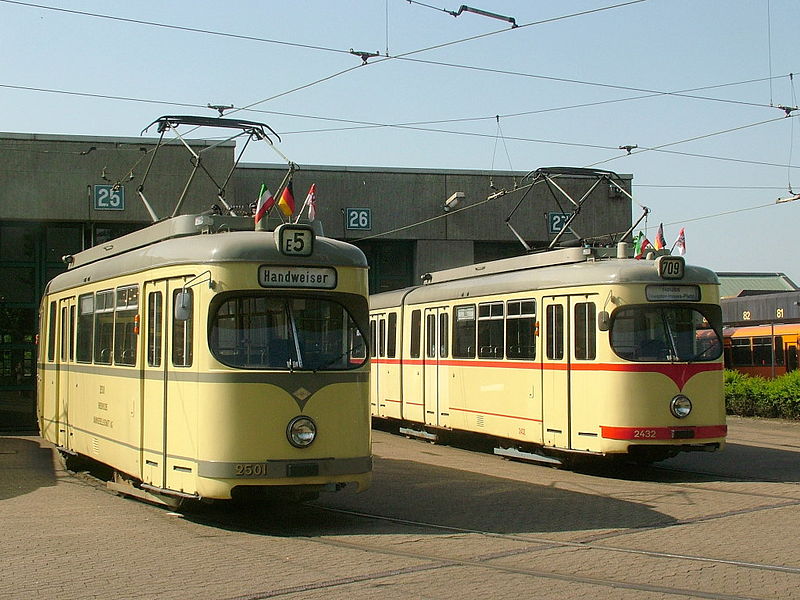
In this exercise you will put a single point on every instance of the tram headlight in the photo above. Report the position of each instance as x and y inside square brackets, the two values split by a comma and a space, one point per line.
[680, 406]
[301, 431]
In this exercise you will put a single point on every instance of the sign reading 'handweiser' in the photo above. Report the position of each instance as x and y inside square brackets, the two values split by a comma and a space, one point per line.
[270, 276]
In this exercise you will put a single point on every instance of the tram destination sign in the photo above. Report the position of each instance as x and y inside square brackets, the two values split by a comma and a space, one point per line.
[271, 276]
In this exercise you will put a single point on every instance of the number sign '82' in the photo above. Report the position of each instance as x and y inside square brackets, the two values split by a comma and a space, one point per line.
[294, 240]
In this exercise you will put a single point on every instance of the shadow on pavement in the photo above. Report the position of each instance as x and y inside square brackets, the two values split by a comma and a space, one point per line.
[24, 467]
[411, 491]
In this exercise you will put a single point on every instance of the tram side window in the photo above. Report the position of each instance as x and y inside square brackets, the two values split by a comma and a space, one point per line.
[391, 341]
[555, 332]
[382, 336]
[85, 328]
[741, 354]
[51, 333]
[125, 323]
[65, 330]
[182, 332]
[430, 336]
[373, 338]
[155, 308]
[416, 324]
[780, 358]
[464, 331]
[490, 330]
[444, 344]
[585, 331]
[521, 329]
[103, 326]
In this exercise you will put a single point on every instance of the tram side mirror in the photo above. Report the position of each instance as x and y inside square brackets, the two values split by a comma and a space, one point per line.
[603, 320]
[183, 306]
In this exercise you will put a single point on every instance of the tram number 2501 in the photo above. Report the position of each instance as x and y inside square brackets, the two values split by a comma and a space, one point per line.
[250, 470]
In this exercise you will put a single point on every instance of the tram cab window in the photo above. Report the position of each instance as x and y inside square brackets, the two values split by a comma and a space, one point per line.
[521, 329]
[652, 333]
[285, 333]
[51, 333]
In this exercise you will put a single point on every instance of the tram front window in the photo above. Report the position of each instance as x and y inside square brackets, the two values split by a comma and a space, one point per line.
[652, 333]
[272, 332]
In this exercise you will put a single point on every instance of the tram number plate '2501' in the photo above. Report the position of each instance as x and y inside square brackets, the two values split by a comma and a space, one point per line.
[250, 469]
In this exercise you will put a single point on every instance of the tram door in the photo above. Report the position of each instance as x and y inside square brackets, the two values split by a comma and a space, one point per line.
[555, 372]
[437, 408]
[154, 389]
[65, 358]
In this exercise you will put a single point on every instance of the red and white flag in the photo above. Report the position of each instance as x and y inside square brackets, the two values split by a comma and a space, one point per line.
[680, 243]
[311, 201]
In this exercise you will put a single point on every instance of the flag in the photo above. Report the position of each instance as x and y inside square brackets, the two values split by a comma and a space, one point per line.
[265, 202]
[286, 203]
[660, 243]
[680, 243]
[640, 245]
[311, 201]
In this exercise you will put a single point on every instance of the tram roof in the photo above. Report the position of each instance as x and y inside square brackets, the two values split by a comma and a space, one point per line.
[565, 268]
[200, 249]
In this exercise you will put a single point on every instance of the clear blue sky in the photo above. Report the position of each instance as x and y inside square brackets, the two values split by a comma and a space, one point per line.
[569, 90]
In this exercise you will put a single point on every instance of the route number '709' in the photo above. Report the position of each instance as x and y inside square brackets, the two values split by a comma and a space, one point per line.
[294, 240]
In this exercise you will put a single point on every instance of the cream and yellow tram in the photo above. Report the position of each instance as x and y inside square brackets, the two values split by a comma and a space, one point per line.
[210, 365]
[572, 351]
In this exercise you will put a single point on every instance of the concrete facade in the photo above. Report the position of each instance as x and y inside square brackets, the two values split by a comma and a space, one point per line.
[63, 194]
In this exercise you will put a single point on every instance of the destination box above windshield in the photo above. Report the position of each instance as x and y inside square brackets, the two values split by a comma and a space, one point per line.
[270, 276]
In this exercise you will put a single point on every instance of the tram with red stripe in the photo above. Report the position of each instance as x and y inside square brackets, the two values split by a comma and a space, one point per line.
[575, 351]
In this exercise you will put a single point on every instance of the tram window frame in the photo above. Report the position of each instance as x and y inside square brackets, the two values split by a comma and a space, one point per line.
[416, 337]
[103, 318]
[521, 328]
[465, 332]
[85, 329]
[183, 331]
[51, 333]
[65, 334]
[126, 311]
[762, 351]
[155, 325]
[741, 352]
[554, 315]
[373, 337]
[391, 336]
[585, 330]
[382, 337]
[430, 335]
[72, 333]
[444, 331]
[491, 334]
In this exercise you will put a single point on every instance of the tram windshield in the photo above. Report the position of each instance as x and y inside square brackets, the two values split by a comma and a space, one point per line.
[284, 333]
[651, 333]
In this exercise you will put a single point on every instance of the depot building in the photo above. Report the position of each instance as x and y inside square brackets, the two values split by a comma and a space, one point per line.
[63, 194]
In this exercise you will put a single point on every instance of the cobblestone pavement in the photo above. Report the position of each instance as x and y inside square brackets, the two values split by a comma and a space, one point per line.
[439, 522]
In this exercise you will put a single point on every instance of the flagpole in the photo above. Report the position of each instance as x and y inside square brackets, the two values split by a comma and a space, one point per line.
[286, 179]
